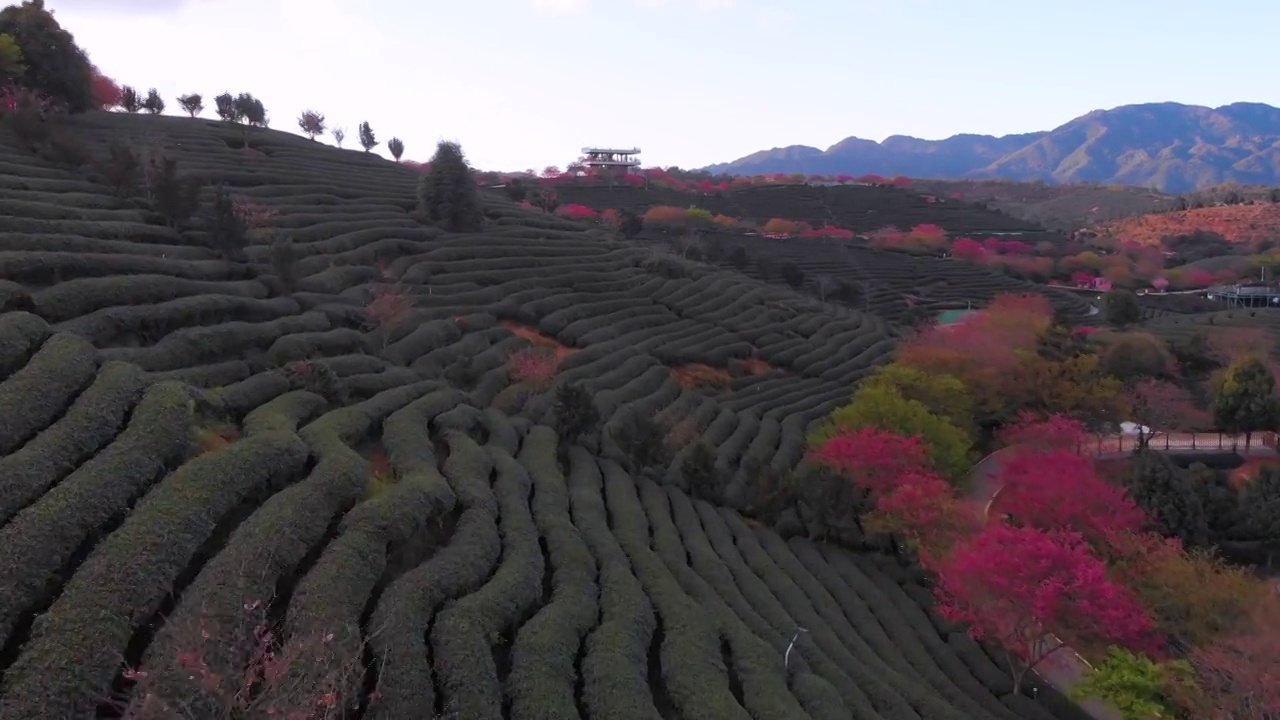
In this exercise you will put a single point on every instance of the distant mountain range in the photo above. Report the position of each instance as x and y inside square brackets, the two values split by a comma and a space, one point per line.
[1167, 146]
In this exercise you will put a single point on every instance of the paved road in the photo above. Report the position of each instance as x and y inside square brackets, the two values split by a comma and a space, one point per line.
[1065, 668]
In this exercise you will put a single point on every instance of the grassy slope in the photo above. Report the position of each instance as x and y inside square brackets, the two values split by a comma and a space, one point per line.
[637, 602]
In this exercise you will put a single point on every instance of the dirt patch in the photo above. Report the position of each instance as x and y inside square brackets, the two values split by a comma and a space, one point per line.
[697, 376]
[539, 339]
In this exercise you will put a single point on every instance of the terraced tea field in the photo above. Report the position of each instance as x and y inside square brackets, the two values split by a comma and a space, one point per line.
[891, 285]
[185, 439]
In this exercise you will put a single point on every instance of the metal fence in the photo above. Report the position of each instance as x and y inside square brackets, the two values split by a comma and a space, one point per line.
[1259, 442]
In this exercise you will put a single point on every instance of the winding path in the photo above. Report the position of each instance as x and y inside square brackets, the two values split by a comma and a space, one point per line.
[1065, 668]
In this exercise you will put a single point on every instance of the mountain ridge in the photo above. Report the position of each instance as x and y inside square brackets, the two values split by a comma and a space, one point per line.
[1168, 146]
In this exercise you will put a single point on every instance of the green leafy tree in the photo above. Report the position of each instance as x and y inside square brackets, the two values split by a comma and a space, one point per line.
[1245, 399]
[1161, 488]
[1133, 356]
[130, 100]
[883, 407]
[51, 62]
[251, 110]
[447, 194]
[225, 106]
[944, 395]
[1135, 685]
[1121, 307]
[1260, 507]
[368, 140]
[396, 146]
[192, 104]
[12, 68]
[154, 104]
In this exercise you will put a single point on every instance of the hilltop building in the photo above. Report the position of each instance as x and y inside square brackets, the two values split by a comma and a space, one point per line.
[613, 162]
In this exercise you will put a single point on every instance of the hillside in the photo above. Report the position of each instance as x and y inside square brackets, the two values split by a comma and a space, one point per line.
[1169, 146]
[1060, 207]
[357, 447]
[1246, 223]
[861, 208]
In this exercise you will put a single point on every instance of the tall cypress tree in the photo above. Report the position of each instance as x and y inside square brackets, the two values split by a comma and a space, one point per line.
[448, 194]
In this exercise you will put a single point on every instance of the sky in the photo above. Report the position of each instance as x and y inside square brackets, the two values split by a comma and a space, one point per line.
[528, 83]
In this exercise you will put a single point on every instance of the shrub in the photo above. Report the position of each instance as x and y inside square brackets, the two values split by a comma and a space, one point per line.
[122, 168]
[227, 227]
[284, 261]
[698, 215]
[536, 366]
[304, 678]
[700, 473]
[175, 197]
[130, 100]
[576, 414]
[387, 309]
[792, 274]
[154, 104]
[516, 190]
[629, 224]
[664, 217]
[28, 114]
[51, 62]
[192, 104]
[311, 123]
[368, 140]
[642, 441]
[447, 194]
[317, 378]
[780, 226]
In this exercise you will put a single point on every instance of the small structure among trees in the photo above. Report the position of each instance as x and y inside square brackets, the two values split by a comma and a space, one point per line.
[610, 162]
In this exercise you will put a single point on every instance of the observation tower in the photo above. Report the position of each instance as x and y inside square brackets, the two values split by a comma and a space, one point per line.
[613, 162]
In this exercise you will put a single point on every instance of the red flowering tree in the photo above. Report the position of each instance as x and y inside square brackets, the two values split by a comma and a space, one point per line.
[923, 507]
[1051, 432]
[577, 212]
[968, 249]
[1029, 590]
[105, 90]
[1061, 490]
[873, 459]
[1164, 406]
